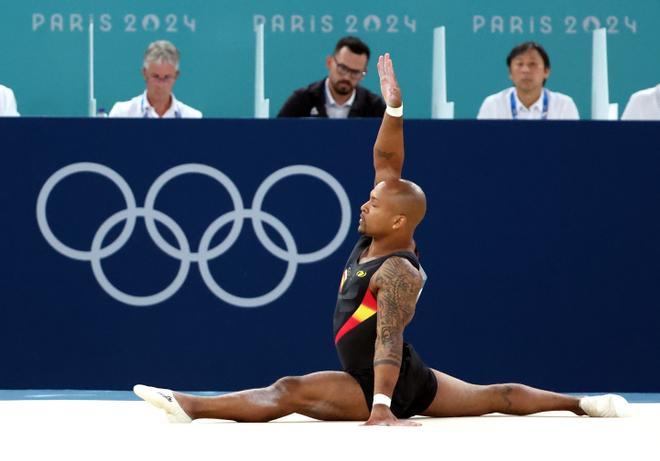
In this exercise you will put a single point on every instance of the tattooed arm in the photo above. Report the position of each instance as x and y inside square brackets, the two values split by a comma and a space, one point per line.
[388, 148]
[396, 284]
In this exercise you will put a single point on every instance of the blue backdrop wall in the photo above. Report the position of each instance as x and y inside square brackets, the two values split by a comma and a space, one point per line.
[542, 245]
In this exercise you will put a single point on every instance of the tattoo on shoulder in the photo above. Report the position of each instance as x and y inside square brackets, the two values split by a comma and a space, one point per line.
[399, 277]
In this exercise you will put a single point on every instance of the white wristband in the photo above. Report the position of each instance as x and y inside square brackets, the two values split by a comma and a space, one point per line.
[382, 399]
[395, 111]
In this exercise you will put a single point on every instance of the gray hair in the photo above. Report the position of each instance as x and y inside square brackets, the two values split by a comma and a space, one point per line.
[161, 51]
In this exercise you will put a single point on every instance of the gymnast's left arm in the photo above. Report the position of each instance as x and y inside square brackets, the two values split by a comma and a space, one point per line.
[396, 284]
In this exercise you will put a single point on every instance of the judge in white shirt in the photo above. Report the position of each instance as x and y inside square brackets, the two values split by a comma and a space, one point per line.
[160, 70]
[643, 105]
[528, 99]
[7, 103]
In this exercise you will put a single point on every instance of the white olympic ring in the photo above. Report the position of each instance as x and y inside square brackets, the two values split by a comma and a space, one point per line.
[62, 173]
[183, 253]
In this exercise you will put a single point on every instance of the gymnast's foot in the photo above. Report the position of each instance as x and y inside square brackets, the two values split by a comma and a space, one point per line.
[607, 406]
[163, 399]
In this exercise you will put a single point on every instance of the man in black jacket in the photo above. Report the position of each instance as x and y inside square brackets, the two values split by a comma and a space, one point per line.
[338, 95]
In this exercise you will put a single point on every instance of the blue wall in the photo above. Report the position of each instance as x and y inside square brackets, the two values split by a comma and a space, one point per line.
[542, 244]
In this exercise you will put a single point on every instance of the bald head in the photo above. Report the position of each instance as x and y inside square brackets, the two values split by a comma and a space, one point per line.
[406, 198]
[394, 209]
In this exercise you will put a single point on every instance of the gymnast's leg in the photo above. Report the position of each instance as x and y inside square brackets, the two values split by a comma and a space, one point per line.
[458, 398]
[328, 396]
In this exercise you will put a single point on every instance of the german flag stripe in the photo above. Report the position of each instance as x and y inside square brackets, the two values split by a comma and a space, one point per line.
[367, 309]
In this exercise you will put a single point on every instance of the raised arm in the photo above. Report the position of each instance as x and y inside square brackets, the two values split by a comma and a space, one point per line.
[396, 284]
[388, 148]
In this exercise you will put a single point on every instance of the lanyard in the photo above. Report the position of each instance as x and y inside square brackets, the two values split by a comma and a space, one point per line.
[145, 111]
[514, 108]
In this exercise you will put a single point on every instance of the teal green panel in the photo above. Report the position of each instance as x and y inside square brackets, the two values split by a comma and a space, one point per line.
[44, 51]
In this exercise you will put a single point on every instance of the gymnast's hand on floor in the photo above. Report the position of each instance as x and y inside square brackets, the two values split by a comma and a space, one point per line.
[381, 415]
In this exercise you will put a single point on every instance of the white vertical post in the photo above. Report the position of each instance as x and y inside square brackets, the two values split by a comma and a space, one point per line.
[440, 108]
[601, 109]
[261, 105]
[92, 100]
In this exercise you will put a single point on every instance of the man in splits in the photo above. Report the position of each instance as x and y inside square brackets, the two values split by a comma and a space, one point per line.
[383, 380]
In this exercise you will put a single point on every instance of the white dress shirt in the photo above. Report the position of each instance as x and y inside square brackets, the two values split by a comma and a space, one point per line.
[7, 103]
[643, 105]
[333, 109]
[139, 107]
[498, 106]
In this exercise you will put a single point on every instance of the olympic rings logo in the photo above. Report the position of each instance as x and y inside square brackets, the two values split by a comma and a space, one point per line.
[183, 253]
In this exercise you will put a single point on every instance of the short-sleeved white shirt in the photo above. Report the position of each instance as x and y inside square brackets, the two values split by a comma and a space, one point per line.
[7, 102]
[139, 107]
[643, 105]
[498, 107]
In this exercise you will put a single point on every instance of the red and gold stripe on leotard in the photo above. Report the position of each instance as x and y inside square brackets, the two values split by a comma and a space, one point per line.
[367, 309]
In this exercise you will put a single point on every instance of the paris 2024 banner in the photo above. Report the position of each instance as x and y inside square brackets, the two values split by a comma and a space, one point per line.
[45, 46]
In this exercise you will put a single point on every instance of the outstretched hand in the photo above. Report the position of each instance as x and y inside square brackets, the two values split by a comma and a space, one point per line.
[389, 87]
[382, 416]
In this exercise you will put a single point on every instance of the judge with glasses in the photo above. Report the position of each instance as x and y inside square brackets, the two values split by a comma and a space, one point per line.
[339, 94]
[160, 70]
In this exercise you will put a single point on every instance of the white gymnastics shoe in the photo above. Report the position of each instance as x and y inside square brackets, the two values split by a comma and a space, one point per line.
[606, 406]
[163, 399]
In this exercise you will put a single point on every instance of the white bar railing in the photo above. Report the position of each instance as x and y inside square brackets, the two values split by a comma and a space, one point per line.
[601, 109]
[440, 108]
[92, 100]
[261, 104]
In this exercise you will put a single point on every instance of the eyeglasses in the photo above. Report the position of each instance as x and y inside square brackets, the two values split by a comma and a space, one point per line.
[162, 78]
[345, 70]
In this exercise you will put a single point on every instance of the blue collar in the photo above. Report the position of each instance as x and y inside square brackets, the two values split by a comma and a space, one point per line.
[514, 107]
